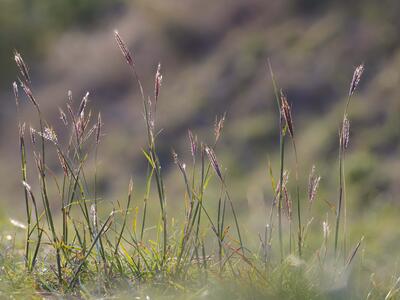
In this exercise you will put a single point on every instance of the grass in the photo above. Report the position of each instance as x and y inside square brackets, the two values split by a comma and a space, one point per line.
[94, 254]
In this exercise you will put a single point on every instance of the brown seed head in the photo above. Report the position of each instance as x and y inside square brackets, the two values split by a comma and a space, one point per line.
[287, 114]
[124, 49]
[214, 162]
[356, 78]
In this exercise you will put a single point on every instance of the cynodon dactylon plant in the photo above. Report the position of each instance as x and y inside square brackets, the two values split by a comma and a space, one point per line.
[72, 190]
[90, 245]
[193, 212]
[25, 82]
[149, 107]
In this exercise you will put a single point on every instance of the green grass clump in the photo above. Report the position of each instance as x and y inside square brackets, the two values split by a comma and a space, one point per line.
[89, 252]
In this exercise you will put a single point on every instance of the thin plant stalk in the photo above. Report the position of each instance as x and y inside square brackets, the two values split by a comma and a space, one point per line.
[281, 156]
[287, 114]
[343, 143]
[21, 129]
[151, 138]
[125, 217]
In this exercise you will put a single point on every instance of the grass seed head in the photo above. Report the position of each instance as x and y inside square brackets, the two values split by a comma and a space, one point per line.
[313, 183]
[50, 135]
[23, 68]
[82, 123]
[157, 82]
[83, 104]
[16, 96]
[63, 163]
[214, 162]
[287, 113]
[218, 126]
[63, 117]
[356, 78]
[124, 49]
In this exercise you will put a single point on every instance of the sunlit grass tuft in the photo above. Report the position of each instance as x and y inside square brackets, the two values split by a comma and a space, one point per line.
[72, 247]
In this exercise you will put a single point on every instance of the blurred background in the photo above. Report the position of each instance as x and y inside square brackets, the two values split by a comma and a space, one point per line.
[213, 56]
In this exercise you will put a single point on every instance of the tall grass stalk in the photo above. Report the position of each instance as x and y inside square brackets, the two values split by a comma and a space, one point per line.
[282, 131]
[41, 163]
[21, 129]
[150, 126]
[343, 144]
[287, 114]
